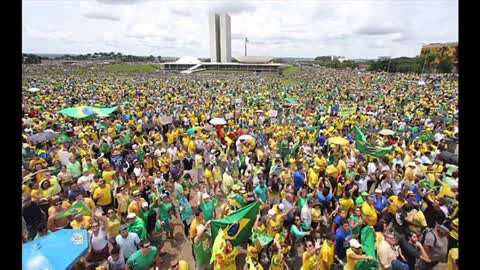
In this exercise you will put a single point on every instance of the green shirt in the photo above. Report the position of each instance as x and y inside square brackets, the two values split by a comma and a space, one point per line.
[303, 201]
[207, 209]
[144, 214]
[203, 251]
[358, 228]
[138, 227]
[140, 262]
[165, 211]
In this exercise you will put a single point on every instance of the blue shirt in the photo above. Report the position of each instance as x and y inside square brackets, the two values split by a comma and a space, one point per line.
[418, 197]
[341, 235]
[380, 203]
[261, 192]
[298, 180]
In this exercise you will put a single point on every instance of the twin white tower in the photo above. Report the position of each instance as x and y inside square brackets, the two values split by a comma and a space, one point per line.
[220, 38]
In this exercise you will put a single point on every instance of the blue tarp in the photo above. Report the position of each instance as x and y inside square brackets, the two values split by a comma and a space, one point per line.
[56, 251]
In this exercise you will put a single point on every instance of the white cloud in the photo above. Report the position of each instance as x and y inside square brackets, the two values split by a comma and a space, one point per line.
[355, 29]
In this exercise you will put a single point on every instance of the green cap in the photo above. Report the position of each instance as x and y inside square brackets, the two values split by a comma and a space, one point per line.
[364, 193]
[359, 200]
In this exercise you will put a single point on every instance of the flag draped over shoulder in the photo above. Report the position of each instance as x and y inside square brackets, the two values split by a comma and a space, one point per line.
[87, 112]
[218, 246]
[78, 207]
[237, 226]
[367, 148]
[368, 245]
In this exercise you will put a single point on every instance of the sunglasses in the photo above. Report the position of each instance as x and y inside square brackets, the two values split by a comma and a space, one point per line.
[109, 212]
[146, 246]
[94, 226]
[58, 203]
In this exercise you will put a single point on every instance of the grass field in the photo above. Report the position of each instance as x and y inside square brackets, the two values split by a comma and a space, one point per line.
[132, 68]
[289, 70]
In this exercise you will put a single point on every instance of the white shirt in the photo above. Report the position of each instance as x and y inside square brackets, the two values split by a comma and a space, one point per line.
[372, 168]
[100, 241]
[438, 137]
[397, 161]
[85, 181]
[385, 185]
[397, 187]
[128, 245]
[173, 151]
[137, 171]
[306, 214]
[362, 184]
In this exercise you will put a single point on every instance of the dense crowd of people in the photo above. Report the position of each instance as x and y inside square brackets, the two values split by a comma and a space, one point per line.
[143, 165]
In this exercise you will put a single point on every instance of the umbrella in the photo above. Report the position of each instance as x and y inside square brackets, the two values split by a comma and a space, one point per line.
[218, 121]
[148, 126]
[191, 131]
[386, 132]
[208, 127]
[338, 140]
[165, 120]
[290, 100]
[42, 137]
[58, 250]
[63, 138]
[33, 90]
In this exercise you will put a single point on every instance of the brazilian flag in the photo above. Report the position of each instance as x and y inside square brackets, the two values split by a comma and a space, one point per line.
[367, 148]
[87, 112]
[237, 226]
[367, 236]
[78, 207]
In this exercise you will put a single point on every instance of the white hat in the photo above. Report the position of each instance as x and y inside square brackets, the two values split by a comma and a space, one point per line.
[205, 196]
[144, 204]
[131, 215]
[378, 190]
[272, 212]
[418, 160]
[426, 160]
[354, 243]
[411, 164]
[281, 207]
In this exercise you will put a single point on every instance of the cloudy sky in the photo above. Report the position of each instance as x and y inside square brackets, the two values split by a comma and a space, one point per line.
[349, 28]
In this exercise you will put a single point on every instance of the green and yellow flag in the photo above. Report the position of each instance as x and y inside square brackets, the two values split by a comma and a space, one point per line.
[87, 112]
[368, 246]
[237, 226]
[367, 148]
[78, 207]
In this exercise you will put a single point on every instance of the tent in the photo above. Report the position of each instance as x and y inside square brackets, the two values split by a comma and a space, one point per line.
[58, 250]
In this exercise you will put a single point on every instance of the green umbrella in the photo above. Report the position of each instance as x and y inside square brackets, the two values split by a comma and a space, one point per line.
[63, 138]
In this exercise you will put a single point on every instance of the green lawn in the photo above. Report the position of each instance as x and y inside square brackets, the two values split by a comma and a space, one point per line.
[289, 70]
[132, 68]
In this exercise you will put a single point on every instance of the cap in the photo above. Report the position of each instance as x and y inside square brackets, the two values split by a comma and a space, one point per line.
[378, 190]
[205, 196]
[144, 204]
[281, 207]
[235, 187]
[410, 193]
[359, 200]
[123, 227]
[271, 213]
[131, 215]
[136, 192]
[364, 193]
[411, 164]
[354, 243]
[418, 160]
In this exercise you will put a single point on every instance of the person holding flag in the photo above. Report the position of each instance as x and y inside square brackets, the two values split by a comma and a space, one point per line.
[202, 247]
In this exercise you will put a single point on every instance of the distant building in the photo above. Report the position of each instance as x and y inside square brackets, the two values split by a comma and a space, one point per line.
[384, 58]
[220, 38]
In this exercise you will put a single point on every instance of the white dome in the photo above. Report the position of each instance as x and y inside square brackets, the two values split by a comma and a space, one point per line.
[188, 60]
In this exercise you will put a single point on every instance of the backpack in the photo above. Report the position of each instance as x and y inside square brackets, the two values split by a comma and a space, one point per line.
[429, 230]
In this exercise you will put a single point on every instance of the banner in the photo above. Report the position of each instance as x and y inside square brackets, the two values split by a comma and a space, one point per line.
[237, 226]
[228, 116]
[347, 111]
[367, 236]
[367, 148]
[87, 112]
[78, 207]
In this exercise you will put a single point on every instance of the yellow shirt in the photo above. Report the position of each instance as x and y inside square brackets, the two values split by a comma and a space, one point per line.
[419, 221]
[193, 227]
[122, 200]
[274, 226]
[251, 254]
[394, 204]
[113, 228]
[229, 260]
[90, 204]
[332, 171]
[208, 176]
[346, 204]
[327, 253]
[316, 214]
[445, 190]
[369, 211]
[108, 176]
[350, 262]
[277, 262]
[133, 207]
[452, 256]
[309, 263]
[78, 225]
[312, 179]
[106, 199]
[181, 155]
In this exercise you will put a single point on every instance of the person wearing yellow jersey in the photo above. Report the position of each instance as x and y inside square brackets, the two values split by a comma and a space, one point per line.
[313, 174]
[332, 170]
[277, 261]
[346, 202]
[327, 252]
[81, 222]
[453, 236]
[354, 254]
[395, 202]
[368, 210]
[103, 195]
[310, 257]
[226, 260]
[320, 162]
